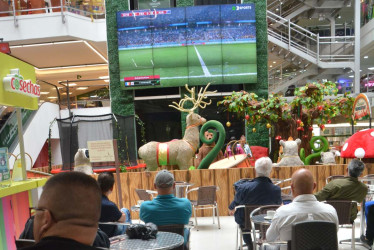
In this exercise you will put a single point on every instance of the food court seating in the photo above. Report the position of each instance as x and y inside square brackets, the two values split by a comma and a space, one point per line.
[206, 199]
[145, 195]
[343, 209]
[333, 177]
[175, 228]
[314, 235]
[261, 228]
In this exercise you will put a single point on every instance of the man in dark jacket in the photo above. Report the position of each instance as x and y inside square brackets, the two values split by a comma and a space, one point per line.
[259, 191]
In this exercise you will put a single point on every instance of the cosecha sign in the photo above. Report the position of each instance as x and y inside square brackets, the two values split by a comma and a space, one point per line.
[14, 82]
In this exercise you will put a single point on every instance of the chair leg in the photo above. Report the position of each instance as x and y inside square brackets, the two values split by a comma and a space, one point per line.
[254, 238]
[241, 240]
[213, 215]
[353, 246]
[194, 213]
[219, 225]
[237, 236]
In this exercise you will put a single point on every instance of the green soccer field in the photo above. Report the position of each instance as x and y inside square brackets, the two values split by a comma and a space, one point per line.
[194, 64]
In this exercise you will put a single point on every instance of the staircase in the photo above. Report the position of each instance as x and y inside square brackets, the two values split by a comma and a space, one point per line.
[303, 49]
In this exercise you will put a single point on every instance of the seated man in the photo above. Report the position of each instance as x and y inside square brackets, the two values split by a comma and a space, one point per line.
[166, 209]
[348, 188]
[303, 207]
[259, 191]
[109, 210]
[68, 213]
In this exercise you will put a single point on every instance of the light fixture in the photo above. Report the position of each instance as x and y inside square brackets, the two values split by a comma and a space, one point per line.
[274, 62]
[52, 97]
[371, 68]
[70, 93]
[351, 76]
[82, 88]
[93, 96]
[366, 57]
[271, 66]
[44, 44]
[106, 80]
[104, 77]
[72, 84]
[44, 93]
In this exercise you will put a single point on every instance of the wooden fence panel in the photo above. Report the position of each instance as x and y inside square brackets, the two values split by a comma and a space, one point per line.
[233, 176]
[222, 181]
[207, 179]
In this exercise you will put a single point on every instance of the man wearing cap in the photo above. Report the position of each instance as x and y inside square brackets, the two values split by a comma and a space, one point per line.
[166, 209]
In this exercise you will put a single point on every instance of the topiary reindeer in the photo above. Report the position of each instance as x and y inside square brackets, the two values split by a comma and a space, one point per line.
[178, 152]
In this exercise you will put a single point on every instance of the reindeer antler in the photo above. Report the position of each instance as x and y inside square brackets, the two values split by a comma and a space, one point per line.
[199, 102]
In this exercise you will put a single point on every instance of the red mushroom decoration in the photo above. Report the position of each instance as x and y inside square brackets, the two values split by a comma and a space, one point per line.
[360, 145]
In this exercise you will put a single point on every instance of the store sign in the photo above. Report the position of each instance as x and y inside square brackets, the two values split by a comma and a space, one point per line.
[361, 108]
[4, 167]
[14, 82]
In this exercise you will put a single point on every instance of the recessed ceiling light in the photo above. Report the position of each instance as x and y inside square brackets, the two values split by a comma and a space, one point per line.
[104, 77]
[106, 80]
[371, 68]
[70, 93]
[366, 57]
[351, 76]
[93, 96]
[44, 93]
[72, 84]
[52, 97]
[274, 62]
[271, 66]
[82, 88]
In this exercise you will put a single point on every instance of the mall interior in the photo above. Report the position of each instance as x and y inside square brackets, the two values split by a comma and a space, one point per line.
[98, 64]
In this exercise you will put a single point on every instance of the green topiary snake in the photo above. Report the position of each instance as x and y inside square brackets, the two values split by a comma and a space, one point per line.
[205, 163]
[317, 151]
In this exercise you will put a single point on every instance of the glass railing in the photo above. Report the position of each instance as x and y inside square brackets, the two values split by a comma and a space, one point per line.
[89, 8]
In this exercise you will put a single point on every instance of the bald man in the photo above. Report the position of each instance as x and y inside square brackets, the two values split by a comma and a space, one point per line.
[303, 207]
[68, 212]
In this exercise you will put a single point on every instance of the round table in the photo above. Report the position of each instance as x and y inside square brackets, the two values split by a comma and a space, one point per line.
[260, 219]
[163, 241]
[181, 189]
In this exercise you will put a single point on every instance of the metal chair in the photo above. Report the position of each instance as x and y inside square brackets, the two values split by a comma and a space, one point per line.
[247, 223]
[145, 195]
[343, 209]
[333, 177]
[261, 228]
[314, 235]
[206, 199]
[178, 229]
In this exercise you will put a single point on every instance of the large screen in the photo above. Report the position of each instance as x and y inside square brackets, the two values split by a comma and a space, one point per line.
[191, 45]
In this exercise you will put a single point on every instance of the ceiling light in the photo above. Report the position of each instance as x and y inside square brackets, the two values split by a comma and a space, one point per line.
[44, 93]
[52, 97]
[351, 76]
[271, 66]
[371, 68]
[276, 9]
[93, 96]
[106, 80]
[74, 66]
[274, 62]
[366, 57]
[82, 88]
[104, 77]
[72, 84]
[70, 93]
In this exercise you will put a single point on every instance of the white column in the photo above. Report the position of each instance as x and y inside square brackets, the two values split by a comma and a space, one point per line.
[21, 144]
[357, 9]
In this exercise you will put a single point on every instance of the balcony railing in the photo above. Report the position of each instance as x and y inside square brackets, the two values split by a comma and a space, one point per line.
[94, 9]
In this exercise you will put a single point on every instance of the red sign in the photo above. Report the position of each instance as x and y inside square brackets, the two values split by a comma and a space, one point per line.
[14, 82]
[4, 48]
[134, 78]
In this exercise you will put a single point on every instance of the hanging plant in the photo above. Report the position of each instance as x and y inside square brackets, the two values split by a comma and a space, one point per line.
[142, 129]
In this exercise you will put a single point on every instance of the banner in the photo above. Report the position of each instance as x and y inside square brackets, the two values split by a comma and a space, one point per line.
[361, 108]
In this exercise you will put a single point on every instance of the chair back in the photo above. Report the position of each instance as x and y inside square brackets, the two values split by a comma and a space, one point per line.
[310, 235]
[343, 209]
[261, 227]
[174, 228]
[206, 195]
[24, 243]
[143, 195]
[248, 209]
[333, 177]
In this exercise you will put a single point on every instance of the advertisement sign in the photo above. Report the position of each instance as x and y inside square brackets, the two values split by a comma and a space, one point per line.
[101, 151]
[14, 82]
[4, 168]
[361, 108]
[153, 4]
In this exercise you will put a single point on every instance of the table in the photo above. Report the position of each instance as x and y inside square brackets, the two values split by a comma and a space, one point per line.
[181, 189]
[163, 241]
[260, 219]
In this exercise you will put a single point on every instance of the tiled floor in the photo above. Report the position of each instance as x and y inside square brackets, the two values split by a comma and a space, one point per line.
[209, 237]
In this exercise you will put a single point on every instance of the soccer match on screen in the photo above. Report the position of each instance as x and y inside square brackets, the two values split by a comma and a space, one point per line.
[189, 45]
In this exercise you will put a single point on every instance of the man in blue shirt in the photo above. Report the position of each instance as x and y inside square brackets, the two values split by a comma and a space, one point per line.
[259, 191]
[166, 209]
[109, 210]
